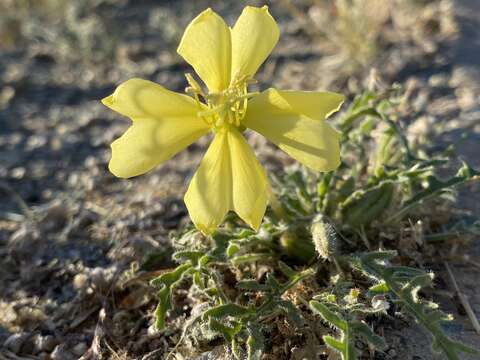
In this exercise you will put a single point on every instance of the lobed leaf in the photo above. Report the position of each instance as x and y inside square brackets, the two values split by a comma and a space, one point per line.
[167, 281]
[251, 285]
[224, 310]
[403, 284]
[293, 313]
[255, 342]
[228, 332]
[328, 315]
[360, 328]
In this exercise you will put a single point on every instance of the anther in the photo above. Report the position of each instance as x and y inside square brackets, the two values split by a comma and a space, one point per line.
[194, 86]
[226, 107]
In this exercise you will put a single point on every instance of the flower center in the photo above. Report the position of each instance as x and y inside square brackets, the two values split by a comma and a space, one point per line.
[226, 108]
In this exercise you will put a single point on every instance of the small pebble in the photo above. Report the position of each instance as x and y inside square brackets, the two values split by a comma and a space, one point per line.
[80, 281]
[61, 353]
[15, 342]
[44, 343]
[80, 349]
[152, 330]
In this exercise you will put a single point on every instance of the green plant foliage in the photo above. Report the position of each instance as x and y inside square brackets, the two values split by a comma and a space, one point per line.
[434, 187]
[402, 284]
[167, 282]
[316, 225]
[238, 324]
[346, 316]
[364, 206]
[255, 342]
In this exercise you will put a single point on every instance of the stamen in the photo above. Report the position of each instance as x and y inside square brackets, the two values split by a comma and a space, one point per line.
[194, 89]
[194, 85]
[226, 107]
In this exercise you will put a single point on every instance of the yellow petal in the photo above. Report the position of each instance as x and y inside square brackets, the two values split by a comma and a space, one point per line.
[209, 195]
[249, 181]
[206, 45]
[294, 121]
[254, 36]
[316, 105]
[138, 98]
[228, 178]
[164, 123]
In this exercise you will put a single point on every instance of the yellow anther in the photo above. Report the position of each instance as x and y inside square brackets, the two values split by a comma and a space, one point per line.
[226, 107]
[194, 85]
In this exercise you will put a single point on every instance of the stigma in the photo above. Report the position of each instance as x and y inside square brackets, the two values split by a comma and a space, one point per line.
[226, 108]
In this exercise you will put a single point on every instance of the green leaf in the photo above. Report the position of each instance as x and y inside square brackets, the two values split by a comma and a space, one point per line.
[286, 270]
[344, 347]
[364, 206]
[299, 276]
[167, 282]
[204, 260]
[418, 281]
[169, 278]
[252, 285]
[377, 256]
[193, 256]
[273, 283]
[435, 186]
[164, 304]
[334, 343]
[228, 332]
[437, 316]
[248, 258]
[328, 315]
[378, 289]
[403, 284]
[232, 249]
[229, 309]
[348, 120]
[292, 312]
[360, 328]
[243, 233]
[255, 342]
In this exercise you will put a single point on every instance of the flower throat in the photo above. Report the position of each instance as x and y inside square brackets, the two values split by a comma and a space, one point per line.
[226, 108]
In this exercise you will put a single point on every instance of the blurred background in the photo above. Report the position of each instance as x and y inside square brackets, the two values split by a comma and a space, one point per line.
[70, 232]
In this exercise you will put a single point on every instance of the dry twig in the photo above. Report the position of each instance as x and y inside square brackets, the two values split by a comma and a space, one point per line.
[463, 300]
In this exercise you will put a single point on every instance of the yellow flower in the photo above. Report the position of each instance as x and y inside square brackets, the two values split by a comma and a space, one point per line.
[229, 176]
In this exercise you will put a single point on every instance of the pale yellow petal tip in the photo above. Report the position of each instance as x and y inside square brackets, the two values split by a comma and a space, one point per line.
[264, 9]
[108, 101]
[255, 8]
[115, 171]
[199, 18]
[331, 166]
[211, 229]
[341, 100]
[255, 218]
[205, 13]
[254, 224]
[334, 166]
[116, 167]
[336, 158]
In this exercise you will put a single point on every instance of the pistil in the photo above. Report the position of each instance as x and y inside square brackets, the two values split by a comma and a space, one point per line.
[225, 108]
